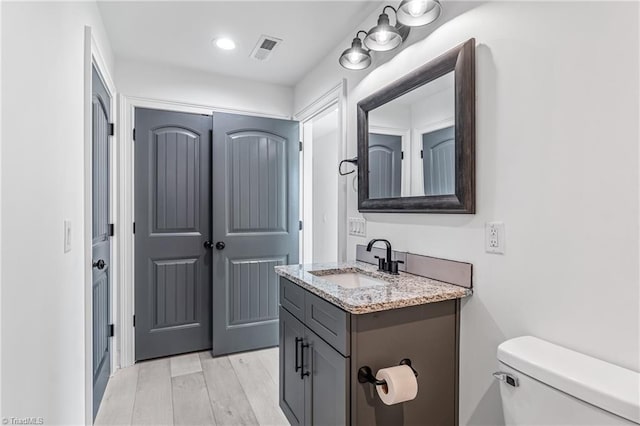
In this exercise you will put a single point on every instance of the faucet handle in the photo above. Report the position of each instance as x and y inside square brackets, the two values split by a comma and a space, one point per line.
[393, 266]
[382, 263]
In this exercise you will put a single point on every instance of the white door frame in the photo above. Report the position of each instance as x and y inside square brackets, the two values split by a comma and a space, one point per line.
[126, 118]
[336, 96]
[94, 57]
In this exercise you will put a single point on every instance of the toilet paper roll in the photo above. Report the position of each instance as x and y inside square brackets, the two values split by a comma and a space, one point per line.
[401, 384]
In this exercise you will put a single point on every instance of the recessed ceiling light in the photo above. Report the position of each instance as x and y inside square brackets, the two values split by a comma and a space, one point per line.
[225, 43]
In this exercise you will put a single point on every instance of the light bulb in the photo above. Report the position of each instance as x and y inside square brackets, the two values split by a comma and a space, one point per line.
[417, 8]
[383, 37]
[353, 57]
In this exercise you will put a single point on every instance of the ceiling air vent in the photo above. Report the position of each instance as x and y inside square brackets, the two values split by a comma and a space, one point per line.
[265, 47]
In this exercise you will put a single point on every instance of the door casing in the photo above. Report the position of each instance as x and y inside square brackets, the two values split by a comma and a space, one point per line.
[337, 95]
[334, 97]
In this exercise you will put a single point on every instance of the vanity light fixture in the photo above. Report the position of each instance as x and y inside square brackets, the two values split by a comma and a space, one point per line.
[356, 57]
[415, 13]
[384, 36]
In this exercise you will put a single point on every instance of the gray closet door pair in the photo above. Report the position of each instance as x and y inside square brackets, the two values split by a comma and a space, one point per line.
[216, 208]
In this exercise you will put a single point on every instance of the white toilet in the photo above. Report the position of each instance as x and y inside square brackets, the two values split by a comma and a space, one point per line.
[545, 384]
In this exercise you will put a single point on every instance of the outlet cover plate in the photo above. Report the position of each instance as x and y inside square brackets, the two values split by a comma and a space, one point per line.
[494, 237]
[357, 227]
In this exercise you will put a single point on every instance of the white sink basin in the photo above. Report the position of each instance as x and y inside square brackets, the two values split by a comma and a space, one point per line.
[353, 280]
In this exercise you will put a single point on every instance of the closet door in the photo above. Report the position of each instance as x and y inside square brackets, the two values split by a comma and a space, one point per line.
[172, 233]
[255, 226]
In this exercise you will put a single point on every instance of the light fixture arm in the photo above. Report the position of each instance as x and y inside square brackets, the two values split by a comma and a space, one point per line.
[395, 12]
[390, 7]
[361, 31]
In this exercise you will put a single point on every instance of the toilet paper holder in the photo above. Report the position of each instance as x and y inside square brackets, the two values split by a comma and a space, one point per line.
[365, 374]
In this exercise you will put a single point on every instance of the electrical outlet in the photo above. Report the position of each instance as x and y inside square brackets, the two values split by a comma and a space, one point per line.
[494, 237]
[67, 236]
[357, 227]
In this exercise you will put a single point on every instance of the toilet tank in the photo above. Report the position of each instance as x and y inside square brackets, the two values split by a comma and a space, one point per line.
[545, 384]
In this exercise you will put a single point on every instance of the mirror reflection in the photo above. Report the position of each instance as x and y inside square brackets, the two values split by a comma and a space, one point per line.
[412, 143]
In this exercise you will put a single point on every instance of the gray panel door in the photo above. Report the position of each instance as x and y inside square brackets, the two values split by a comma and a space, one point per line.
[255, 226]
[327, 387]
[385, 165]
[438, 160]
[292, 381]
[173, 222]
[101, 246]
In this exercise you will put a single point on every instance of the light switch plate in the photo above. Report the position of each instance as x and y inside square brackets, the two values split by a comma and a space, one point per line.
[67, 236]
[357, 227]
[494, 237]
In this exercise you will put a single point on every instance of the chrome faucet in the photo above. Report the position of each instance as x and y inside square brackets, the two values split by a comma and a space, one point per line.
[385, 264]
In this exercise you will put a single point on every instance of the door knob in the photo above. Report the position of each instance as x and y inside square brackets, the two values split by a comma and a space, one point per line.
[208, 245]
[100, 264]
[220, 245]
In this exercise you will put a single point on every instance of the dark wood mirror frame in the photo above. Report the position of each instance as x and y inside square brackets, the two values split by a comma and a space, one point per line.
[460, 59]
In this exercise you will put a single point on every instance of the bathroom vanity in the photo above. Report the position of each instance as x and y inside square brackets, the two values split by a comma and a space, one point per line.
[337, 318]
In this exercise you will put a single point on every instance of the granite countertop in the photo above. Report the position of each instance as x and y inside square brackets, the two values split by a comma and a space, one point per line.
[398, 291]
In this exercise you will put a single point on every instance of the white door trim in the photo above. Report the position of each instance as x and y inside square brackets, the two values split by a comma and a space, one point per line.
[336, 96]
[94, 57]
[126, 118]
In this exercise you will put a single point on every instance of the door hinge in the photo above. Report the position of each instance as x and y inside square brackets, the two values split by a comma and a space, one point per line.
[134, 227]
[421, 154]
[112, 129]
[300, 146]
[111, 330]
[112, 230]
[134, 134]
[134, 320]
[300, 225]
[402, 155]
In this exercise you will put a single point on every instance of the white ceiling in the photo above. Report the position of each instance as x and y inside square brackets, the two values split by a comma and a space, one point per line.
[180, 33]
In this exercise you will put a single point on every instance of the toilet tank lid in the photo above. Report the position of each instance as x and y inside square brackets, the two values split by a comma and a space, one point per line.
[605, 385]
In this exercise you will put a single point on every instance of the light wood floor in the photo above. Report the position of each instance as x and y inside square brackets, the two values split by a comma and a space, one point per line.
[196, 389]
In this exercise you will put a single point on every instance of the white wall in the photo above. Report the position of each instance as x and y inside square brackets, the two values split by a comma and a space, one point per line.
[170, 83]
[436, 108]
[393, 115]
[557, 161]
[42, 175]
[0, 213]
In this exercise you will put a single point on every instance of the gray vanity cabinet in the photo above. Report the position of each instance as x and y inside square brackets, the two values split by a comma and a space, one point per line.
[322, 347]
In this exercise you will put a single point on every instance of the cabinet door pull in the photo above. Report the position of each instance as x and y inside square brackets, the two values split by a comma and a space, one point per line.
[302, 372]
[298, 341]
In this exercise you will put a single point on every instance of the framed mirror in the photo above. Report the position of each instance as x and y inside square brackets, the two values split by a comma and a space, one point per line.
[416, 139]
